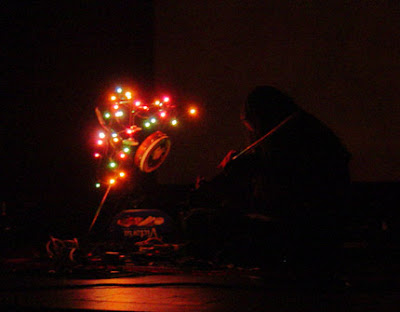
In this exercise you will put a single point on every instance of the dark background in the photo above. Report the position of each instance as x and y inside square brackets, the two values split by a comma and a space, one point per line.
[339, 60]
[59, 61]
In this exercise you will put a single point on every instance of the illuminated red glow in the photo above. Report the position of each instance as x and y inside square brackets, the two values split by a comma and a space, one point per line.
[119, 105]
[192, 111]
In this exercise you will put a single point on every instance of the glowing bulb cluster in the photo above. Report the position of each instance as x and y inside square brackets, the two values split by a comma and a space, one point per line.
[125, 120]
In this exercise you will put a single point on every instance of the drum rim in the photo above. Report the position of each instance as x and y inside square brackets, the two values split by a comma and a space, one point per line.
[143, 157]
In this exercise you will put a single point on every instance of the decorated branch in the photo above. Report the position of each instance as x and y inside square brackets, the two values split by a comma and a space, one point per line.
[132, 135]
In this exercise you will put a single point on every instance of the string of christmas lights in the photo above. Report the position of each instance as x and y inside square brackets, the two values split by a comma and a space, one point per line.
[132, 134]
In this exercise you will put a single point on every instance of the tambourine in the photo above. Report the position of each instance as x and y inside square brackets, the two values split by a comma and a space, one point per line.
[152, 152]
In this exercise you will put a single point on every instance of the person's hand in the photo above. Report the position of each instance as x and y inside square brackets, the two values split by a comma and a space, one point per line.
[227, 159]
[199, 182]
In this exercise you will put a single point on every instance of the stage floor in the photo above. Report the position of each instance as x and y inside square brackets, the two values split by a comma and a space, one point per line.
[169, 289]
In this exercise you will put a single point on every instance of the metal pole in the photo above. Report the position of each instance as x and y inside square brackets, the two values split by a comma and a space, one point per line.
[100, 206]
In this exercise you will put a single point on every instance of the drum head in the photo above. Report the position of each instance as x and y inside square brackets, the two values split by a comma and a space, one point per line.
[152, 152]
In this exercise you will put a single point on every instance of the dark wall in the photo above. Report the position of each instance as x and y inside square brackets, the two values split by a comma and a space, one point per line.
[60, 59]
[338, 59]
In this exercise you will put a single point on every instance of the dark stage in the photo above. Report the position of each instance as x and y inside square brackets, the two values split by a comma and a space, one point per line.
[368, 280]
[339, 60]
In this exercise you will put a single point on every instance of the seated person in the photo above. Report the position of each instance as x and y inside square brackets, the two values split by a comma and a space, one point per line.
[296, 178]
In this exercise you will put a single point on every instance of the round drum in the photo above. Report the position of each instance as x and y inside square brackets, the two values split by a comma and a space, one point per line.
[152, 152]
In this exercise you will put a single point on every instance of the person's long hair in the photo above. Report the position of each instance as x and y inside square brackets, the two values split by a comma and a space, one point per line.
[265, 108]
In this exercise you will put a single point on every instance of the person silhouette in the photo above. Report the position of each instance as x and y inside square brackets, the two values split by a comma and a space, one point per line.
[286, 194]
